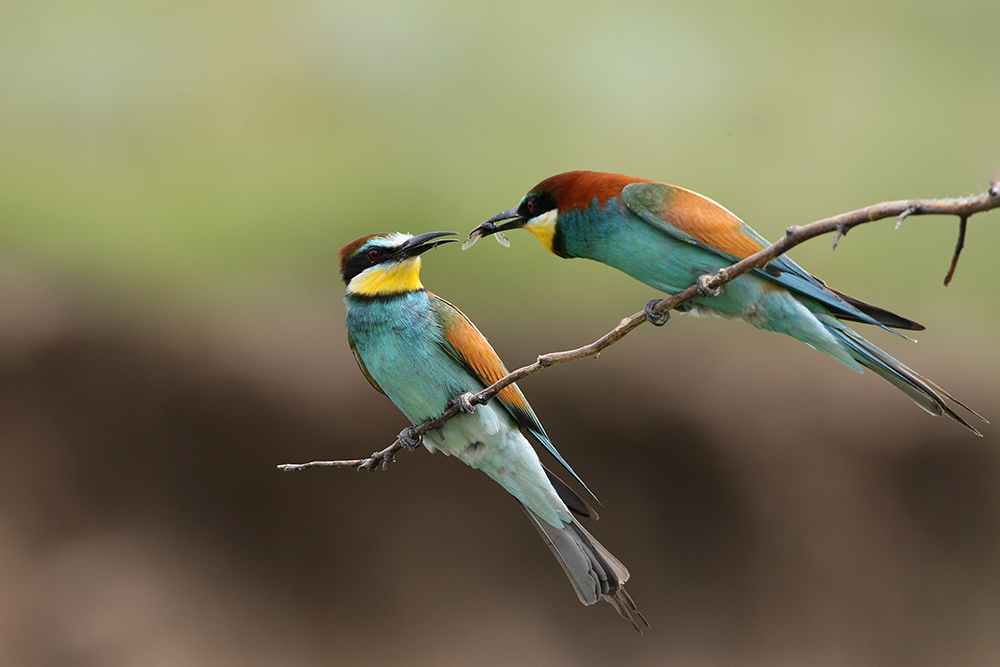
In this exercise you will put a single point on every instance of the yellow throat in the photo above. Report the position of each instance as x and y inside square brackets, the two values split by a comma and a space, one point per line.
[391, 278]
[544, 228]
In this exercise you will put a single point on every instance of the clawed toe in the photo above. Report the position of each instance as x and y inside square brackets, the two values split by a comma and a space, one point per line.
[703, 287]
[464, 402]
[407, 438]
[655, 319]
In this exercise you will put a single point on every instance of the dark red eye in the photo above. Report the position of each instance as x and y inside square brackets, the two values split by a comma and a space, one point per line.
[374, 254]
[530, 205]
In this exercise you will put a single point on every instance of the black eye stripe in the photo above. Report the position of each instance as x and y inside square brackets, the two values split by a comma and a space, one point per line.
[364, 259]
[537, 204]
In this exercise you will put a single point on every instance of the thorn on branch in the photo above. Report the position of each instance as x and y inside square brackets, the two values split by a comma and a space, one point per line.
[842, 230]
[910, 210]
[962, 224]
[656, 318]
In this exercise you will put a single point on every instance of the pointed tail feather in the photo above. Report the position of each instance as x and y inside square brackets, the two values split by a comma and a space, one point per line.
[884, 317]
[593, 571]
[574, 502]
[922, 391]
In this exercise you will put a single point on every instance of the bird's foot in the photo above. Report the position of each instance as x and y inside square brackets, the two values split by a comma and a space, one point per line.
[383, 458]
[657, 320]
[464, 402]
[407, 438]
[705, 289]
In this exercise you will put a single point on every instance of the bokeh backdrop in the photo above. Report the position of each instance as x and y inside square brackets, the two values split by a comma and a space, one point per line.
[176, 179]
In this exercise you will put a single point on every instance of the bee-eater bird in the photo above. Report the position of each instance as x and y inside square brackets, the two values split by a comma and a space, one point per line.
[667, 237]
[422, 352]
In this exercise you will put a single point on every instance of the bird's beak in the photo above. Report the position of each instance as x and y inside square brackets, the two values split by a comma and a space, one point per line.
[514, 221]
[424, 242]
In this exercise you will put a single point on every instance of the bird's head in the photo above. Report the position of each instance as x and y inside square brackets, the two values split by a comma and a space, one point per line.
[539, 210]
[383, 264]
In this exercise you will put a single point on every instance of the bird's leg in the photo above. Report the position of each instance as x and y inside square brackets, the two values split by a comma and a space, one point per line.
[464, 402]
[654, 319]
[407, 438]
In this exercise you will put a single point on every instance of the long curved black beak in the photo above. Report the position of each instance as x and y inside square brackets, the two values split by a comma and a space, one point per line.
[506, 215]
[490, 226]
[424, 242]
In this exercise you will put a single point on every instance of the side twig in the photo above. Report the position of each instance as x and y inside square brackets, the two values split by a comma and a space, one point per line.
[657, 311]
[962, 224]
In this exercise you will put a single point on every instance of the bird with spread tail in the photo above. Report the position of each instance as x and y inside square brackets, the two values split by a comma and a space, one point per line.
[668, 237]
[423, 353]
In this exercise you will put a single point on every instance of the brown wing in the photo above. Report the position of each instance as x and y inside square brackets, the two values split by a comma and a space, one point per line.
[468, 345]
[463, 341]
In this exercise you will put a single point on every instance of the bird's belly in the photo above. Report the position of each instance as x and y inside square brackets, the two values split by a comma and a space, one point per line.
[670, 265]
[674, 269]
[489, 440]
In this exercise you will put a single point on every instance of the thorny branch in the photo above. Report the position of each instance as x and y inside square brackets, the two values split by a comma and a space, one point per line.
[658, 311]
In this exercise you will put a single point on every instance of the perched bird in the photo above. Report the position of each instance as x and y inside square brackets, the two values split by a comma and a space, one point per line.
[667, 237]
[422, 352]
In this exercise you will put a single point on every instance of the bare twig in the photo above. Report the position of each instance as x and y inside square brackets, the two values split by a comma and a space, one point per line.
[963, 222]
[657, 311]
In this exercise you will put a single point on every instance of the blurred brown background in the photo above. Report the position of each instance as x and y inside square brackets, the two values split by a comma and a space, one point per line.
[176, 182]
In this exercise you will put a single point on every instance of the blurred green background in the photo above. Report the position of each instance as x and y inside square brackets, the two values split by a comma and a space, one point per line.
[175, 181]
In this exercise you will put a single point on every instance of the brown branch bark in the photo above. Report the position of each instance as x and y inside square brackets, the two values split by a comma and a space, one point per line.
[657, 311]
